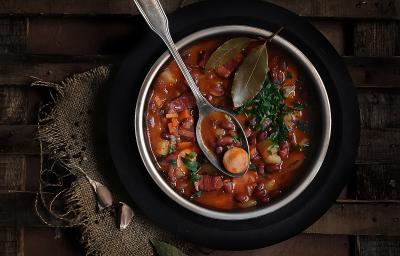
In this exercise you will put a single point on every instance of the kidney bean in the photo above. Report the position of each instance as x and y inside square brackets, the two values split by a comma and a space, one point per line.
[274, 168]
[188, 124]
[252, 140]
[265, 124]
[283, 149]
[241, 198]
[264, 200]
[256, 157]
[260, 185]
[171, 157]
[225, 141]
[252, 121]
[164, 120]
[260, 193]
[260, 169]
[250, 189]
[262, 136]
[228, 125]
[165, 136]
[187, 135]
[247, 132]
[228, 186]
[292, 138]
[232, 133]
[277, 76]
[219, 150]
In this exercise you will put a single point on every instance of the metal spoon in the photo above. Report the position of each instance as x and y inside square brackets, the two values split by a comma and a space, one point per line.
[156, 18]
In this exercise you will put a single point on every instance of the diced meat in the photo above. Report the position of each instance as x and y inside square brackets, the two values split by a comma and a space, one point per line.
[188, 124]
[210, 183]
[186, 100]
[187, 135]
[228, 68]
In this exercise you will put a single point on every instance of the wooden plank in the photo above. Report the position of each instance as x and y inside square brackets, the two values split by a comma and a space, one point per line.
[366, 72]
[384, 9]
[60, 242]
[81, 36]
[17, 209]
[377, 72]
[334, 32]
[358, 218]
[12, 35]
[377, 38]
[379, 146]
[11, 241]
[344, 217]
[18, 139]
[19, 105]
[378, 108]
[300, 245]
[84, 36]
[377, 246]
[378, 182]
[19, 172]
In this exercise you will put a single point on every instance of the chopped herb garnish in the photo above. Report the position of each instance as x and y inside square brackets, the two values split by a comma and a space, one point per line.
[268, 104]
[298, 106]
[172, 162]
[235, 139]
[189, 160]
[289, 75]
[252, 166]
[196, 195]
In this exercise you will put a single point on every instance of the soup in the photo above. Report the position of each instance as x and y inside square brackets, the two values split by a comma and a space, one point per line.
[270, 98]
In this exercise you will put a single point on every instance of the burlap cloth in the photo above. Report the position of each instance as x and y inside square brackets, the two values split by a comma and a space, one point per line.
[73, 140]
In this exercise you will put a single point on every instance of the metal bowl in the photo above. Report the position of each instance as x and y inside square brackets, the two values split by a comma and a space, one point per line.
[314, 162]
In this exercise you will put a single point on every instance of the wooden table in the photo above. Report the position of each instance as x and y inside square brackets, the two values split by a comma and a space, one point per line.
[51, 39]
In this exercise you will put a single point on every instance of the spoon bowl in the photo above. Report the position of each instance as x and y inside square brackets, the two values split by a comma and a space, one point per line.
[157, 20]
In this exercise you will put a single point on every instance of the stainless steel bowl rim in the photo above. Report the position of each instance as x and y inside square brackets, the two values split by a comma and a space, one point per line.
[149, 160]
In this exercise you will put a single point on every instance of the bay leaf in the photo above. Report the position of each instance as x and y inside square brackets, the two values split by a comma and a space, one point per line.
[250, 76]
[227, 51]
[165, 249]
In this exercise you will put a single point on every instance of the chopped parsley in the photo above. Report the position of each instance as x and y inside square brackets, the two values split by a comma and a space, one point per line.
[196, 195]
[235, 139]
[189, 160]
[289, 75]
[172, 162]
[268, 104]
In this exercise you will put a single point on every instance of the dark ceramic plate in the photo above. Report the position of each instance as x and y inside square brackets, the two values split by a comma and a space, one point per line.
[273, 227]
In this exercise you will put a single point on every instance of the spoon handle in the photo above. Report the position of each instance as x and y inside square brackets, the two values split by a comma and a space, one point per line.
[156, 18]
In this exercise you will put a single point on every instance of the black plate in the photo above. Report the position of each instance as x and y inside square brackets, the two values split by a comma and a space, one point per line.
[261, 231]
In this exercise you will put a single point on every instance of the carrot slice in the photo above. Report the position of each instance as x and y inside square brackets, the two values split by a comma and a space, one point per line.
[184, 144]
[172, 129]
[172, 115]
[175, 122]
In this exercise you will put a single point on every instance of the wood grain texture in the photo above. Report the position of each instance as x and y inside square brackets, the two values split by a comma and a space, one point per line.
[377, 246]
[377, 38]
[385, 9]
[19, 173]
[81, 36]
[19, 139]
[300, 245]
[343, 218]
[12, 35]
[359, 219]
[94, 35]
[366, 72]
[18, 105]
[378, 182]
[374, 72]
[11, 241]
